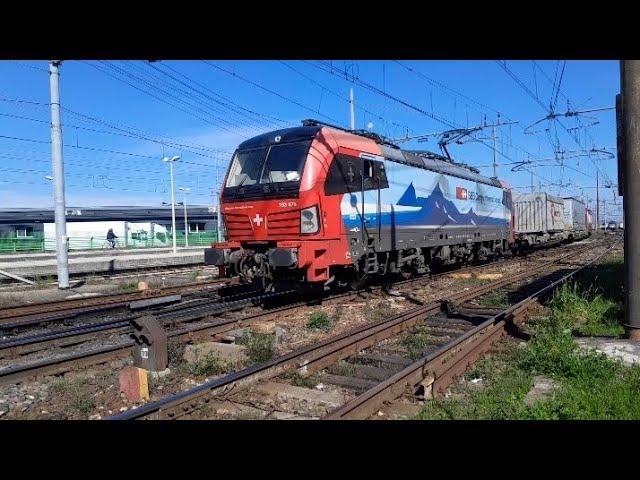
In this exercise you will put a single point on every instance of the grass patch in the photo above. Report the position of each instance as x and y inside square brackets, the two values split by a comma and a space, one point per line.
[591, 385]
[175, 352]
[301, 381]
[42, 281]
[495, 299]
[156, 381]
[210, 364]
[337, 314]
[319, 321]
[195, 274]
[60, 385]
[377, 311]
[82, 402]
[343, 369]
[417, 341]
[260, 347]
[588, 312]
[128, 287]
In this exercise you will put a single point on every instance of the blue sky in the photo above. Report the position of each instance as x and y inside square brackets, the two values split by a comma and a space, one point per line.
[120, 117]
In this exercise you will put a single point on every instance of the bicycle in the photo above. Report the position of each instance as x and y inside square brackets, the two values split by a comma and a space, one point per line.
[106, 245]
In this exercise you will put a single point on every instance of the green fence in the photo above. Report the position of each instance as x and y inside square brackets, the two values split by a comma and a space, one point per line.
[39, 243]
[21, 244]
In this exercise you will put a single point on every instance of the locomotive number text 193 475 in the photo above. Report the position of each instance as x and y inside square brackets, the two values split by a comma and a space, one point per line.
[287, 204]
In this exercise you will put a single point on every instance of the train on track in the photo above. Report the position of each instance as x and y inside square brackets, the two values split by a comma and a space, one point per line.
[320, 205]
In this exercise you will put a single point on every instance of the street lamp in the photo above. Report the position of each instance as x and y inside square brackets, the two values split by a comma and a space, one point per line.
[170, 161]
[184, 191]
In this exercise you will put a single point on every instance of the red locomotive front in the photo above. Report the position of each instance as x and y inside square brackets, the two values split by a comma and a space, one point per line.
[280, 225]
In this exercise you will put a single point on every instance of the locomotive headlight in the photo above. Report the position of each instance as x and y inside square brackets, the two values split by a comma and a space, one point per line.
[309, 220]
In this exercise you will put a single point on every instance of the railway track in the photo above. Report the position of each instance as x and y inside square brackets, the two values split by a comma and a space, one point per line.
[177, 321]
[431, 374]
[460, 337]
[38, 313]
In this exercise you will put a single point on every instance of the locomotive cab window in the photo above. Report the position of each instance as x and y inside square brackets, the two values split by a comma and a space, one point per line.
[348, 174]
[245, 167]
[266, 172]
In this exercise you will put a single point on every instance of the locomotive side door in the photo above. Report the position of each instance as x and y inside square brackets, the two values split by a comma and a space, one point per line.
[359, 179]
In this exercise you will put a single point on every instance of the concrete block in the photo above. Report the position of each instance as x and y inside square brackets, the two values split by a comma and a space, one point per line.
[621, 349]
[299, 397]
[398, 411]
[224, 351]
[489, 276]
[161, 374]
[238, 333]
[460, 275]
[134, 384]
[542, 388]
[264, 327]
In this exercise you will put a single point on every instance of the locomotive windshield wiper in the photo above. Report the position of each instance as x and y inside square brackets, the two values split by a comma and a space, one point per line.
[267, 167]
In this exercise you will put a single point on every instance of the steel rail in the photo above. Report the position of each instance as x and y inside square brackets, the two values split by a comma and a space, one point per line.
[24, 315]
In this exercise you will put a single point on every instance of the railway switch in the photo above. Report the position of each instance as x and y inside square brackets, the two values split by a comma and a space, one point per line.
[150, 351]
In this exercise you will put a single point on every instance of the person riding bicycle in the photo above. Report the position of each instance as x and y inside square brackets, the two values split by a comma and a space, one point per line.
[111, 238]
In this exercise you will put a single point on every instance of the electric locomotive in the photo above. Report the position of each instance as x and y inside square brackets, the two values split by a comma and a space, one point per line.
[321, 205]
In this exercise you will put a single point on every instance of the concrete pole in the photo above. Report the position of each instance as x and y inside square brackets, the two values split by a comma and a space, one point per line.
[532, 184]
[353, 115]
[173, 208]
[218, 218]
[598, 198]
[58, 177]
[495, 164]
[186, 224]
[630, 73]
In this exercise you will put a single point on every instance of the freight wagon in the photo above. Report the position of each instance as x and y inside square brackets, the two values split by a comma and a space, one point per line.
[575, 219]
[539, 219]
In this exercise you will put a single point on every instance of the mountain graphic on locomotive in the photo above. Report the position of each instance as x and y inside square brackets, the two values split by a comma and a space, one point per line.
[320, 205]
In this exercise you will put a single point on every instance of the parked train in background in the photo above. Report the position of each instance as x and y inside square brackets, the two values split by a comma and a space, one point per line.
[322, 205]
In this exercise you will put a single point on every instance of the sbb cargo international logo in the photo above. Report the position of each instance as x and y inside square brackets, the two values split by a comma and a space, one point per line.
[461, 193]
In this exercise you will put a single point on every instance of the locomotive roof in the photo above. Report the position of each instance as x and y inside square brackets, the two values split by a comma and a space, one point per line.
[436, 165]
[293, 134]
[389, 152]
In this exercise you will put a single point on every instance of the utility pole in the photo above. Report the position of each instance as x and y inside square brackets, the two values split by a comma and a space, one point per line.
[170, 161]
[598, 198]
[630, 89]
[353, 116]
[58, 177]
[495, 163]
[532, 185]
[218, 218]
[184, 191]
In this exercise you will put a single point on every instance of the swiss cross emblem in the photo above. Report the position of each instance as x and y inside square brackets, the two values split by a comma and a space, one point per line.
[257, 220]
[461, 193]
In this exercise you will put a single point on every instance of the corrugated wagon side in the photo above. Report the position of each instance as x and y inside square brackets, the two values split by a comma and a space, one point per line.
[539, 219]
[575, 218]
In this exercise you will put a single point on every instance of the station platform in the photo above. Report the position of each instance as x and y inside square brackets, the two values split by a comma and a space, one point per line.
[30, 265]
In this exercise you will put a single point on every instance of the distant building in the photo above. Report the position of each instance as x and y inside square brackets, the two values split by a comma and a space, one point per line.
[87, 227]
